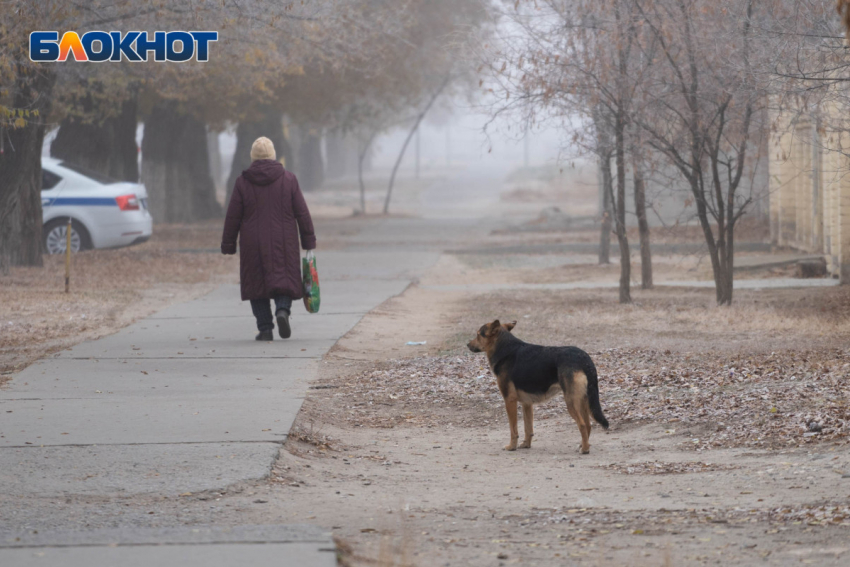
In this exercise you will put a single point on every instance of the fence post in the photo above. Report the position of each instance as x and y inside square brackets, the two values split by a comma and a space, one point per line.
[68, 257]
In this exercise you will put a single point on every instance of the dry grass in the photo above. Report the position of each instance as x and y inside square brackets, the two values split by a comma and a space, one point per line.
[109, 289]
[747, 230]
[680, 319]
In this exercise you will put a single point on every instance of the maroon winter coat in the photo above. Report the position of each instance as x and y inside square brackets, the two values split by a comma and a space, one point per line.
[264, 209]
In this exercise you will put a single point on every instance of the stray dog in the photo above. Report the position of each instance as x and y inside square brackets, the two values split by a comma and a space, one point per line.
[531, 374]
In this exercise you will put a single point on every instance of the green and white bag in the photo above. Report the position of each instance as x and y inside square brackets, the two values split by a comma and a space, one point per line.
[310, 279]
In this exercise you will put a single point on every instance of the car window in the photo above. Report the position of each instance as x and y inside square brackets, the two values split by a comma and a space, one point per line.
[49, 180]
[97, 176]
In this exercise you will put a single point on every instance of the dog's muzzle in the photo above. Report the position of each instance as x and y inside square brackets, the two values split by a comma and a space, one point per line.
[472, 347]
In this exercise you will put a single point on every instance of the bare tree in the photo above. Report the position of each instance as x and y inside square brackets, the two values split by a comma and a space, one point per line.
[704, 108]
[410, 57]
[560, 59]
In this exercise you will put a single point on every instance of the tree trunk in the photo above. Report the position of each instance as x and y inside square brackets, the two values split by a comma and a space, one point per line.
[622, 238]
[20, 172]
[336, 150]
[643, 228]
[398, 163]
[364, 151]
[175, 167]
[407, 141]
[270, 125]
[705, 224]
[214, 151]
[729, 265]
[311, 167]
[607, 193]
[723, 283]
[107, 147]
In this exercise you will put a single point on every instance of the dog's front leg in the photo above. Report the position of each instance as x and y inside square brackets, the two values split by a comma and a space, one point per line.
[528, 422]
[510, 406]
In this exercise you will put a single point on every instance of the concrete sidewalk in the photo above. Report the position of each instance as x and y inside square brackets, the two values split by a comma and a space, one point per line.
[183, 401]
[142, 547]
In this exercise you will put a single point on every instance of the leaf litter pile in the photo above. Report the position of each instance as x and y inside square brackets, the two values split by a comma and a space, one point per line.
[758, 400]
[414, 391]
[766, 400]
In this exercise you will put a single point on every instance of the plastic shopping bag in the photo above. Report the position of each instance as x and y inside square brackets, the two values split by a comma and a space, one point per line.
[310, 279]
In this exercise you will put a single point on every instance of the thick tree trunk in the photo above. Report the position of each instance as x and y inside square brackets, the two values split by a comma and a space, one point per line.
[20, 197]
[336, 149]
[175, 167]
[270, 125]
[214, 151]
[107, 146]
[20, 172]
[723, 282]
[311, 166]
[643, 228]
[607, 193]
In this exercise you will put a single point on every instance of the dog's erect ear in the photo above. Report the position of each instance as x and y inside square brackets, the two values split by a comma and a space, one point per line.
[494, 327]
[510, 326]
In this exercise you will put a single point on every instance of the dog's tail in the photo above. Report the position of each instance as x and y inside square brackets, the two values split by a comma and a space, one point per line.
[593, 396]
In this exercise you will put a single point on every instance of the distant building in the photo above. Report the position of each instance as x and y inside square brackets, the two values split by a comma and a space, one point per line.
[810, 189]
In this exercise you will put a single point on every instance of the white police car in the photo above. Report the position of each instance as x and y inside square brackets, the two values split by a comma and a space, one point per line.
[104, 213]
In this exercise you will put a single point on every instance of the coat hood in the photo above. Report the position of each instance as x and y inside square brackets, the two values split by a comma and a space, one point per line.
[264, 172]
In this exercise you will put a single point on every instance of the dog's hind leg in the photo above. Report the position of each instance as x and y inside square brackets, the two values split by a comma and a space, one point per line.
[575, 394]
[585, 414]
[579, 419]
[511, 407]
[528, 423]
[579, 399]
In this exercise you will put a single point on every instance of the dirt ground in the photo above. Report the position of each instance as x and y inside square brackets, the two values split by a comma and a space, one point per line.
[728, 442]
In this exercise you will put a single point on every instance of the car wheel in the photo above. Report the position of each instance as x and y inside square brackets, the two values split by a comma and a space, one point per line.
[55, 237]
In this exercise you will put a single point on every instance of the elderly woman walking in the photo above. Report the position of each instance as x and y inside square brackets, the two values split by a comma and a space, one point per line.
[267, 211]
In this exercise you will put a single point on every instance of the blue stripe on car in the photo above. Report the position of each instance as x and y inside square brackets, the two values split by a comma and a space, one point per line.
[84, 201]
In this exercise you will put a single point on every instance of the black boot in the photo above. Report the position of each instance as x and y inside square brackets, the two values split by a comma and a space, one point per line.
[265, 335]
[283, 324]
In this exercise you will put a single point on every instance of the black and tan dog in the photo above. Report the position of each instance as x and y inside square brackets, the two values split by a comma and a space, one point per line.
[530, 374]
